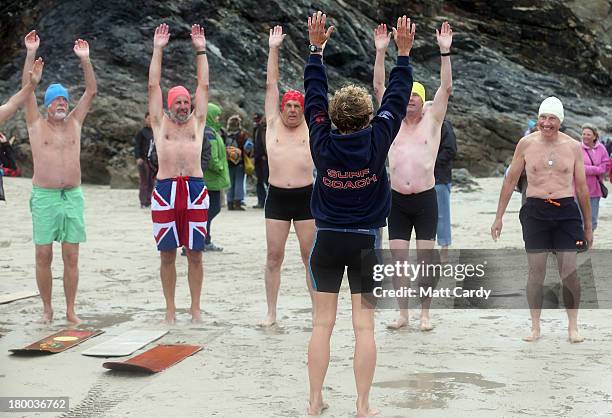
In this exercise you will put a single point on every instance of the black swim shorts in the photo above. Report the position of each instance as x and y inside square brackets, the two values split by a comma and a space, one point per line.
[335, 250]
[288, 204]
[418, 211]
[551, 225]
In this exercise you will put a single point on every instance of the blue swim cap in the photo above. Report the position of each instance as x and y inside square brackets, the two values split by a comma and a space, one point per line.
[54, 91]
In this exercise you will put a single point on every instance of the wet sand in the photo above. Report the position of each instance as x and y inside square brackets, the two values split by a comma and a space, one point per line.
[472, 364]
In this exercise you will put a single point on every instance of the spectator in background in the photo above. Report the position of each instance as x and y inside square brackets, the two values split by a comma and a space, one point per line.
[142, 148]
[7, 157]
[443, 174]
[608, 144]
[596, 163]
[235, 141]
[261, 159]
[532, 126]
[216, 175]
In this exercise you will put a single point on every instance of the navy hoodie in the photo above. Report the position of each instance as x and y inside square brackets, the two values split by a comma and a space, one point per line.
[352, 190]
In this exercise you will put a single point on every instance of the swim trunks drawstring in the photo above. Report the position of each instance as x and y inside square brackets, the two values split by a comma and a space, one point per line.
[63, 195]
[553, 202]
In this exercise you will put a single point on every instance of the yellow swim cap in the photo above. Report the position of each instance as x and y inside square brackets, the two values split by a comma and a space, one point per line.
[419, 89]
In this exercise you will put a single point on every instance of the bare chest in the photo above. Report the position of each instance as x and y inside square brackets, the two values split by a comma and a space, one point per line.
[57, 139]
[284, 142]
[545, 161]
[171, 137]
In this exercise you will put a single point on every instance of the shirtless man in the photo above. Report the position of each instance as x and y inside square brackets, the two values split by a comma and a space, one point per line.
[412, 158]
[179, 205]
[9, 108]
[550, 218]
[290, 179]
[57, 202]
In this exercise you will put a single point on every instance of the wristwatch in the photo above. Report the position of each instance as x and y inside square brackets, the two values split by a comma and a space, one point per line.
[315, 49]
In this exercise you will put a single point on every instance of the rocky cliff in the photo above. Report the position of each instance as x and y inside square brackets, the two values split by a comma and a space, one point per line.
[509, 55]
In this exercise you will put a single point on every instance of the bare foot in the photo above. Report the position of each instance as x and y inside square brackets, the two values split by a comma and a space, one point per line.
[317, 409]
[47, 317]
[426, 324]
[170, 318]
[268, 322]
[575, 337]
[196, 316]
[401, 322]
[369, 412]
[72, 317]
[535, 335]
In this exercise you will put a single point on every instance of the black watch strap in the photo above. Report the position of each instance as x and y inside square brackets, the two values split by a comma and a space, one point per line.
[315, 49]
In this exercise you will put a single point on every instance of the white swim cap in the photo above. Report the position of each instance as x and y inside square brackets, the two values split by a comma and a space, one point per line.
[551, 106]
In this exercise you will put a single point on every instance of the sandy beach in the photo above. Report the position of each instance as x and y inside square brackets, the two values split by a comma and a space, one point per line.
[472, 364]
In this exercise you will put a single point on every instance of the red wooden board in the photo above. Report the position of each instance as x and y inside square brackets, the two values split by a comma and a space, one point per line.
[156, 359]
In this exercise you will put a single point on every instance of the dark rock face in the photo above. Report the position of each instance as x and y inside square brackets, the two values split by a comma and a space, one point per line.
[509, 56]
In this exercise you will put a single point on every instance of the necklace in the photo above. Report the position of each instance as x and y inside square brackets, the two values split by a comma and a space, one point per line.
[551, 159]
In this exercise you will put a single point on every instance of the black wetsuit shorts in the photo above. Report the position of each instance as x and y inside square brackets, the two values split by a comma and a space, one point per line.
[288, 204]
[335, 250]
[418, 211]
[551, 225]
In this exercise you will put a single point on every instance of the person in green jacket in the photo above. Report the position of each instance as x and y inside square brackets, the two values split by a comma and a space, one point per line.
[216, 175]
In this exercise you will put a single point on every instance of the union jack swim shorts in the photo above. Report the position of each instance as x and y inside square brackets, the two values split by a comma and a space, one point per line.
[179, 208]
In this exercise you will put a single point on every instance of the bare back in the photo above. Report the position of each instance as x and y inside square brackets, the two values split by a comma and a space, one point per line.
[550, 166]
[412, 156]
[289, 158]
[56, 153]
[179, 147]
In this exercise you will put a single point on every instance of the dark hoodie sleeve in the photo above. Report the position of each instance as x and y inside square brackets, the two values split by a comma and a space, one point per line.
[139, 140]
[205, 157]
[448, 145]
[316, 104]
[392, 110]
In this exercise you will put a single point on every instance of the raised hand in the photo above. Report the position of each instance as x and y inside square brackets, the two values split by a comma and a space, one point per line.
[381, 37]
[276, 37]
[162, 34]
[444, 37]
[32, 41]
[404, 35]
[197, 37]
[35, 73]
[317, 34]
[81, 48]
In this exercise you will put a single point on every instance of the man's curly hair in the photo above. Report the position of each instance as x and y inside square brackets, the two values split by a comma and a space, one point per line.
[351, 108]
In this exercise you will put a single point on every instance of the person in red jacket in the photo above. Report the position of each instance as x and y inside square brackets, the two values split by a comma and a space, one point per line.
[7, 157]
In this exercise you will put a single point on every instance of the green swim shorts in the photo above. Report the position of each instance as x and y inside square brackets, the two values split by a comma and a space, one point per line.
[57, 215]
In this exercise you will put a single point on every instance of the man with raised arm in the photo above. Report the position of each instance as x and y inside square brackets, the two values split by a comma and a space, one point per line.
[412, 159]
[290, 177]
[179, 205]
[13, 104]
[550, 218]
[57, 202]
[350, 202]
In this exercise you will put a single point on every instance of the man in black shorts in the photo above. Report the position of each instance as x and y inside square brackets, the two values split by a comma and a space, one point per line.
[550, 218]
[290, 177]
[412, 159]
[350, 201]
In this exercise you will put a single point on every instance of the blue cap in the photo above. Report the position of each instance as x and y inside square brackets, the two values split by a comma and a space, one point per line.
[54, 91]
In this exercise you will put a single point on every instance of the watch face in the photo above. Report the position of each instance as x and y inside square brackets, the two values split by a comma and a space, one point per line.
[313, 48]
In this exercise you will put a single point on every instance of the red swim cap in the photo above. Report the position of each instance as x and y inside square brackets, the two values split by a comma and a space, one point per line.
[175, 92]
[292, 95]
